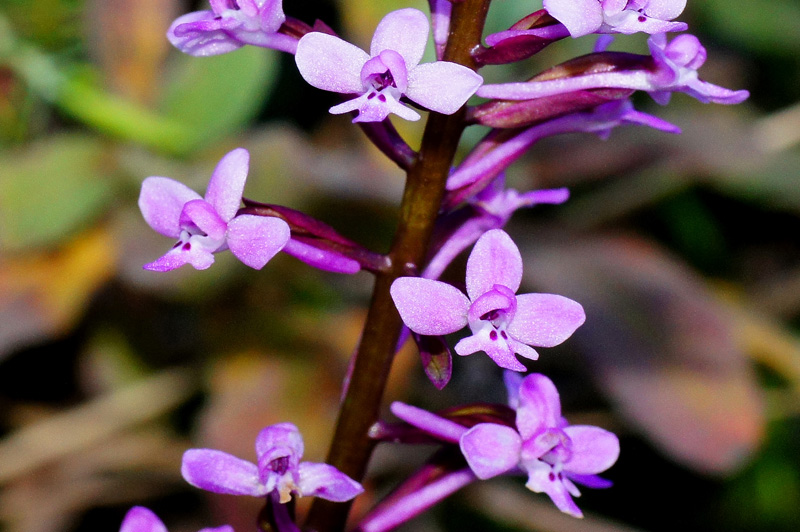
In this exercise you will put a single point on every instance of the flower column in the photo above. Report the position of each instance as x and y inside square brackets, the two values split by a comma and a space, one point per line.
[425, 187]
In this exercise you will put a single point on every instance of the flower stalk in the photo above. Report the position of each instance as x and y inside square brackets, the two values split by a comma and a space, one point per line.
[425, 188]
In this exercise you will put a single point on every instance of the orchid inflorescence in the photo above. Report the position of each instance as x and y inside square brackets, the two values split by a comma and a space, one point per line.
[454, 207]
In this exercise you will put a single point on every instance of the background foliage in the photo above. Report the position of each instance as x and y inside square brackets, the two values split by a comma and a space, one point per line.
[684, 251]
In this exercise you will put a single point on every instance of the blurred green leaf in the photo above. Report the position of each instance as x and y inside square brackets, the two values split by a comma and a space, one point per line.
[769, 26]
[216, 95]
[51, 189]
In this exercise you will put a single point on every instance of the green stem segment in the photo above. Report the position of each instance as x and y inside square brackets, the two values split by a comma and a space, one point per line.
[425, 188]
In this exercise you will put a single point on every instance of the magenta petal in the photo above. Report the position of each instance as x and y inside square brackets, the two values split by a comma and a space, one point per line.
[406, 32]
[429, 307]
[499, 351]
[593, 449]
[664, 9]
[221, 472]
[442, 86]
[254, 240]
[540, 480]
[187, 34]
[141, 519]
[513, 382]
[330, 63]
[545, 320]
[495, 259]
[196, 255]
[327, 482]
[539, 405]
[223, 528]
[272, 16]
[581, 17]
[226, 186]
[491, 449]
[201, 214]
[282, 435]
[161, 202]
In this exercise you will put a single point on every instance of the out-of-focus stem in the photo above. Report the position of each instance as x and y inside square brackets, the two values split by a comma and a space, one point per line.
[422, 198]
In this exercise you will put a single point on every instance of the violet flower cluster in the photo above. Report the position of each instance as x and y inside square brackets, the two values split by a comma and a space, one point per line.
[588, 94]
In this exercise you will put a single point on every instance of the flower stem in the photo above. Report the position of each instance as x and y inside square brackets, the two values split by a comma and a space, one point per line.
[351, 447]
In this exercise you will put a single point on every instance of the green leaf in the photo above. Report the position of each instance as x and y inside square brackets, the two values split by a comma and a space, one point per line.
[217, 95]
[769, 26]
[50, 190]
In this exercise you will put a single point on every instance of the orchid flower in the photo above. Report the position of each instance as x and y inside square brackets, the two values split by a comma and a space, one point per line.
[279, 470]
[553, 453]
[204, 226]
[229, 25]
[141, 519]
[676, 70]
[390, 71]
[502, 323]
[582, 17]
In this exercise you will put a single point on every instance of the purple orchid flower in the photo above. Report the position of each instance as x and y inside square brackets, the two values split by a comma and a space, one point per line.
[141, 519]
[553, 453]
[205, 226]
[390, 71]
[675, 70]
[582, 17]
[502, 323]
[279, 470]
[229, 25]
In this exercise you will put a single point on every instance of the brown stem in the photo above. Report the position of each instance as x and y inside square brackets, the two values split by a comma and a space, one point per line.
[351, 447]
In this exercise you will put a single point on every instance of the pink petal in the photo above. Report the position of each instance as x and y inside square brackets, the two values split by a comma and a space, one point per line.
[539, 405]
[513, 382]
[406, 32]
[221, 472]
[191, 252]
[593, 449]
[161, 202]
[191, 38]
[327, 482]
[141, 519]
[614, 7]
[372, 108]
[272, 16]
[330, 63]
[540, 479]
[201, 214]
[498, 350]
[491, 449]
[226, 186]
[495, 259]
[581, 17]
[281, 435]
[545, 320]
[664, 9]
[442, 86]
[429, 307]
[254, 240]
